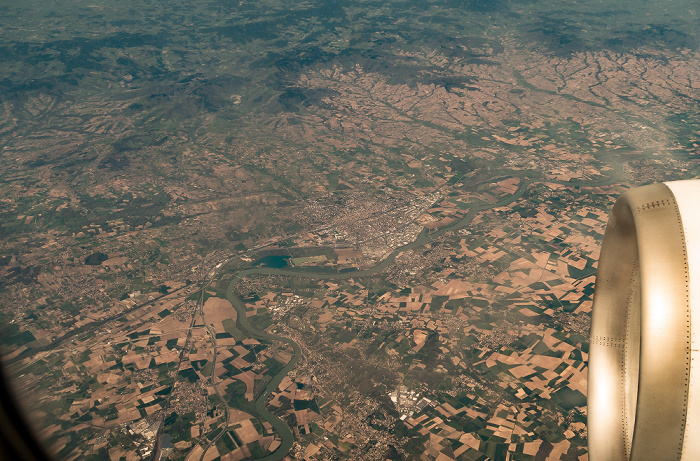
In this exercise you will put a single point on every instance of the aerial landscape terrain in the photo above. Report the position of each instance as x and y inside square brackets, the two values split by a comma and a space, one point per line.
[322, 230]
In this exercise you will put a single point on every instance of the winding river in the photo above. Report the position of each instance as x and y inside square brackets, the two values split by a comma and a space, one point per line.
[424, 237]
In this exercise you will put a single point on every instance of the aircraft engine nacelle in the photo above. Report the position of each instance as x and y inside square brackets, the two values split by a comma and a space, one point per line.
[643, 373]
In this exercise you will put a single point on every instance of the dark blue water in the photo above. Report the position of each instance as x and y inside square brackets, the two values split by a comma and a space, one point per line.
[273, 261]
